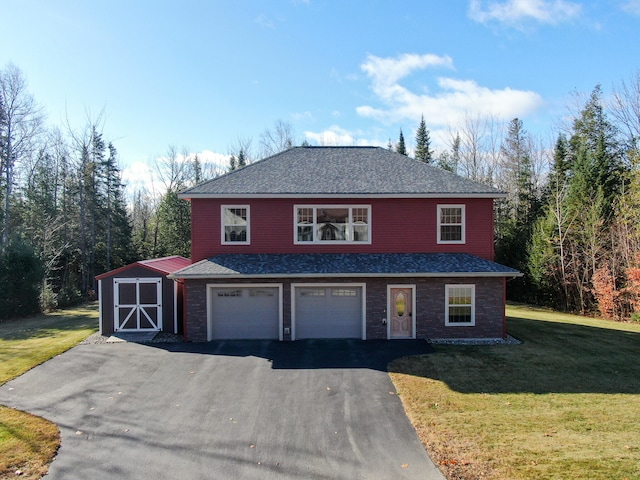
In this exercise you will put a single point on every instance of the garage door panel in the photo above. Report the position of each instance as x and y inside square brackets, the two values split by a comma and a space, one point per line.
[245, 313]
[328, 312]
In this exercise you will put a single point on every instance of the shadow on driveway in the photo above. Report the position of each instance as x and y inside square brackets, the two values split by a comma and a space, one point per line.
[310, 354]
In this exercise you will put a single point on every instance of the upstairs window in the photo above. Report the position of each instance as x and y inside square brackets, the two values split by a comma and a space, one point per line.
[235, 224]
[332, 223]
[451, 224]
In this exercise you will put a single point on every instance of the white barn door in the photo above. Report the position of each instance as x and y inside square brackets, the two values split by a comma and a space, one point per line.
[137, 304]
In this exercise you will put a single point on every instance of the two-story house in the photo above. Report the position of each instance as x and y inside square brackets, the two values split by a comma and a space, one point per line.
[342, 242]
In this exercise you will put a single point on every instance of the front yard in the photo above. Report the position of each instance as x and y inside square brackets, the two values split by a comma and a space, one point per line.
[564, 404]
[29, 443]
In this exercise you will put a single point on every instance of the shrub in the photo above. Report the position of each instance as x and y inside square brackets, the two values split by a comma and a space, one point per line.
[21, 276]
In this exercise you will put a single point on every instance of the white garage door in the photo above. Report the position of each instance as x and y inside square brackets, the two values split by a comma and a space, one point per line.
[245, 313]
[328, 312]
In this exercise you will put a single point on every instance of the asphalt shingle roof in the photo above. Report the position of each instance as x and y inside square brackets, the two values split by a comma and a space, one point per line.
[339, 171]
[347, 264]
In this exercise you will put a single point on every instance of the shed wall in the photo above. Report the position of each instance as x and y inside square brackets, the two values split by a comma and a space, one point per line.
[107, 299]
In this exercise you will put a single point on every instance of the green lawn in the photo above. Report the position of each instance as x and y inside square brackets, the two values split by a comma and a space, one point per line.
[28, 443]
[564, 405]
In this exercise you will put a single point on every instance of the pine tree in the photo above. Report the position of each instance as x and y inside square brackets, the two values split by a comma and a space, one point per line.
[401, 149]
[117, 224]
[595, 155]
[174, 226]
[451, 161]
[423, 143]
[517, 213]
[242, 159]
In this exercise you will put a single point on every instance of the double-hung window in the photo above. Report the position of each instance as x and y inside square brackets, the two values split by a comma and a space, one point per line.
[235, 224]
[451, 224]
[332, 223]
[460, 305]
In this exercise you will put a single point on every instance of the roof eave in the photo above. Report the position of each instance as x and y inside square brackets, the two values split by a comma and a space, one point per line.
[201, 276]
[189, 196]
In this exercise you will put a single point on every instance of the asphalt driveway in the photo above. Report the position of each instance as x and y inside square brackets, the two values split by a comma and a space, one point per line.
[243, 410]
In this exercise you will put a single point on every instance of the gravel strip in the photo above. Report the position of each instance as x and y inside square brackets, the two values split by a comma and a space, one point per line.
[165, 337]
[161, 337]
[476, 341]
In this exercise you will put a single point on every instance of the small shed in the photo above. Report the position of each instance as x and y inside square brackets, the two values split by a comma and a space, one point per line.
[139, 297]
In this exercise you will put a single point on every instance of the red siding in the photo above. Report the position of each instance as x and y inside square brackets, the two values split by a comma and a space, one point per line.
[397, 226]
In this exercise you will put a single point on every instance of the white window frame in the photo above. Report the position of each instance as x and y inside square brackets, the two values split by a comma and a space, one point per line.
[223, 226]
[447, 289]
[350, 225]
[440, 224]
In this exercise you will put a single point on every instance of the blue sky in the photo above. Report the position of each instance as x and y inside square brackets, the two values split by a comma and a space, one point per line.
[201, 74]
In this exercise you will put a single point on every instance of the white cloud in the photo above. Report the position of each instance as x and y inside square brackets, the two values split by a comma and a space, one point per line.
[632, 7]
[449, 105]
[513, 12]
[387, 71]
[299, 116]
[265, 21]
[212, 159]
[338, 136]
[144, 176]
[139, 175]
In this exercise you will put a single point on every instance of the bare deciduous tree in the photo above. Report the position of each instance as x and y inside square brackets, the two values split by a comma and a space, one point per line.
[625, 109]
[171, 169]
[21, 122]
[277, 139]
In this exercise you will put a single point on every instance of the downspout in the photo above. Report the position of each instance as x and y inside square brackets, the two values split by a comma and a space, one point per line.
[184, 311]
[504, 307]
[100, 300]
[175, 307]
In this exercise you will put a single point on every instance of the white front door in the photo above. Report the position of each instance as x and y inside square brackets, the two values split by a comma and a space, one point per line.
[401, 321]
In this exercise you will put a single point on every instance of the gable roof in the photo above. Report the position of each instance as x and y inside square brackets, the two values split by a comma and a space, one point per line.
[164, 266]
[339, 171]
[345, 265]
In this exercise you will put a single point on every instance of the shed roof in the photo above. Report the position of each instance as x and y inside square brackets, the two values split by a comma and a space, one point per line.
[164, 265]
[339, 171]
[347, 264]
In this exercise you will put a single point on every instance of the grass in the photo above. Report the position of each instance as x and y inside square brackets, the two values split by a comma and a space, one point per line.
[28, 443]
[563, 405]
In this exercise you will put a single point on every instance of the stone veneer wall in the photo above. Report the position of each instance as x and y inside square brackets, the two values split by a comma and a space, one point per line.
[430, 305]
